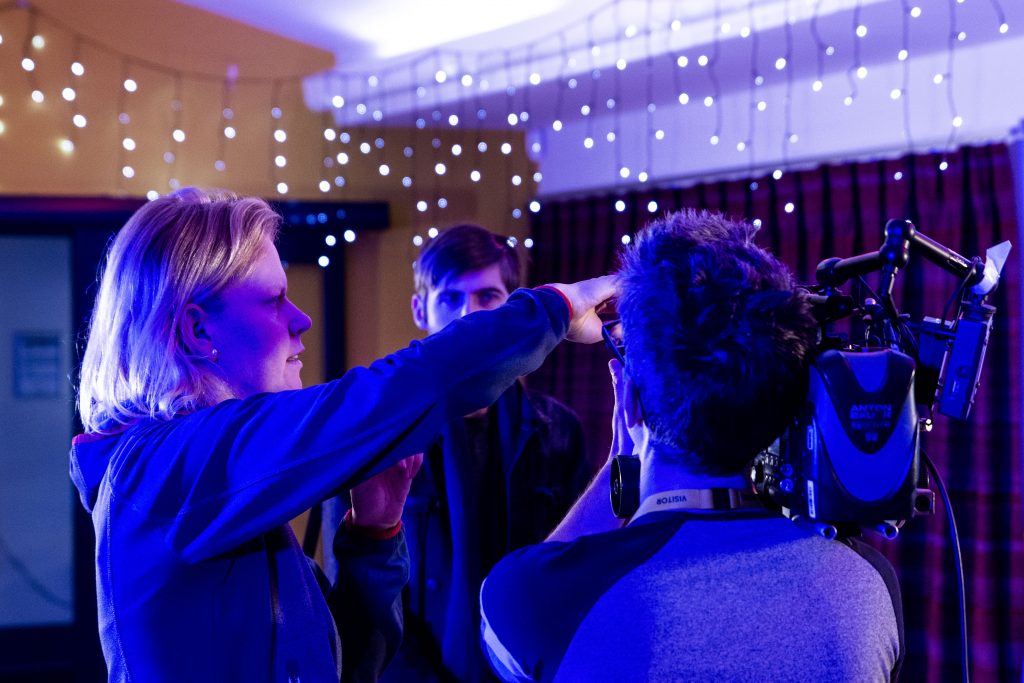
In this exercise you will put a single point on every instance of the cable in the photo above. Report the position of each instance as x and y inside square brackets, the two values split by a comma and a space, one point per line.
[957, 559]
[956, 295]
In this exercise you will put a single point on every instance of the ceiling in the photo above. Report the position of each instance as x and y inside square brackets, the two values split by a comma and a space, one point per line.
[364, 33]
[400, 50]
[702, 70]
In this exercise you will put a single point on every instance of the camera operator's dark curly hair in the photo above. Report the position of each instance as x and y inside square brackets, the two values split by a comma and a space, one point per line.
[717, 338]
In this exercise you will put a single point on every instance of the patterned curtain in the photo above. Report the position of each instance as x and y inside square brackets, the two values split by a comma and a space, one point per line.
[964, 200]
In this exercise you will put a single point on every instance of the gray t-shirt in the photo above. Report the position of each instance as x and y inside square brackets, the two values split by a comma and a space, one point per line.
[681, 597]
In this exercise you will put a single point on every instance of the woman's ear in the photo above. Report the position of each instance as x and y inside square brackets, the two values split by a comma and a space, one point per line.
[193, 332]
[419, 311]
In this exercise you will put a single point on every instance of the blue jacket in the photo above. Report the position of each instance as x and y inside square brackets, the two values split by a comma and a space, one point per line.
[193, 551]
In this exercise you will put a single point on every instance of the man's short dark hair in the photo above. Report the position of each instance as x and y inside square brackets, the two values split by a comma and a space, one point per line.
[716, 336]
[462, 249]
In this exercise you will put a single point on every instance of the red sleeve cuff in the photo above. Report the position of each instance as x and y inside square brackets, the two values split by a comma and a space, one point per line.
[367, 532]
[568, 304]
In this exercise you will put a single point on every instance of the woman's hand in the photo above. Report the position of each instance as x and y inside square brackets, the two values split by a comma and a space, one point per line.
[585, 297]
[378, 502]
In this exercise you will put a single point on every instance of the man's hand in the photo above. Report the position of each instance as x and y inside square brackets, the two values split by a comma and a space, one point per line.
[585, 297]
[622, 442]
[378, 502]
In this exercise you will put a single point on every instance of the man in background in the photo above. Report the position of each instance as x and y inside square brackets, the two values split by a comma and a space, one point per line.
[704, 583]
[498, 479]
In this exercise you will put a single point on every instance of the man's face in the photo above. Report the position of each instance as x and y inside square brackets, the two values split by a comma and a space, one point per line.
[454, 297]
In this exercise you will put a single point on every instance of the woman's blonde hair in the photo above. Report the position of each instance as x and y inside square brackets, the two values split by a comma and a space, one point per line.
[178, 249]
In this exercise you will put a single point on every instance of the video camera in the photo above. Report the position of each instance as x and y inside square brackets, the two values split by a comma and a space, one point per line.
[852, 457]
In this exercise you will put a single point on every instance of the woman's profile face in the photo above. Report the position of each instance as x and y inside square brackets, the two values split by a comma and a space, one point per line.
[256, 330]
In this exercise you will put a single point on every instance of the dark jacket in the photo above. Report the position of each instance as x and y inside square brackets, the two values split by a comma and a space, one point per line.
[541, 450]
[193, 550]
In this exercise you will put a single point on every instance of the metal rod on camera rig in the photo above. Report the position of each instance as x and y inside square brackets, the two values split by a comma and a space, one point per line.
[901, 237]
[894, 253]
[835, 271]
[946, 258]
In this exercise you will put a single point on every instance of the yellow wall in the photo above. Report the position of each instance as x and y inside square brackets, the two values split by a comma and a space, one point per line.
[162, 44]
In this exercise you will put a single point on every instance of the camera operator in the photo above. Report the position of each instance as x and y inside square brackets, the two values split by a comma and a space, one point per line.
[703, 583]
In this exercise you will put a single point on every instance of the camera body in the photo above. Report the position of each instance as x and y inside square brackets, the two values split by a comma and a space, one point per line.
[851, 458]
[852, 454]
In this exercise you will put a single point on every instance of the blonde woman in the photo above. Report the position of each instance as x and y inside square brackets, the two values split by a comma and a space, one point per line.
[200, 444]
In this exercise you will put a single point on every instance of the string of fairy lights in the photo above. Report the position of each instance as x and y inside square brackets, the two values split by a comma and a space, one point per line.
[371, 123]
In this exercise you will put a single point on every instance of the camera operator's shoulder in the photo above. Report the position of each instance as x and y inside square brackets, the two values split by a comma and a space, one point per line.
[534, 599]
[880, 564]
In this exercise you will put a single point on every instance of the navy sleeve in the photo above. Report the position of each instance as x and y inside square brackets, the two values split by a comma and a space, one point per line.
[366, 602]
[226, 474]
